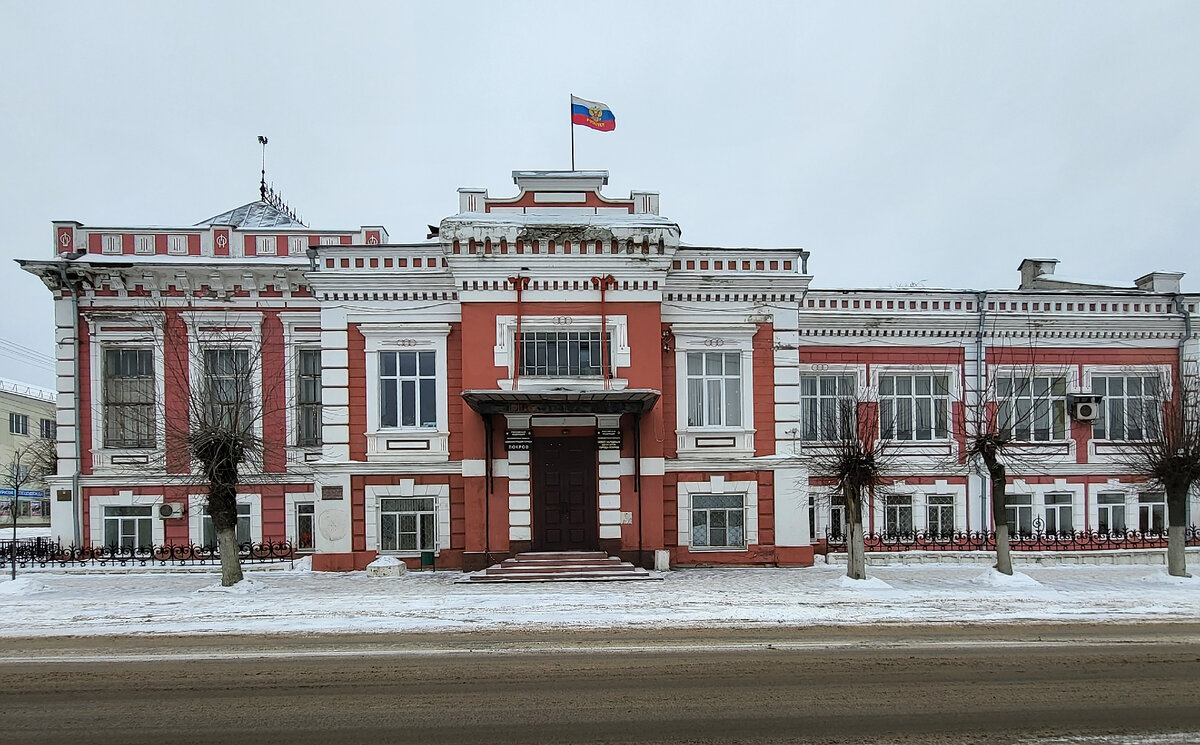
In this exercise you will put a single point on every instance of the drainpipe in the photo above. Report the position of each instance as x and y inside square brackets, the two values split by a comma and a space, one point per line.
[604, 283]
[980, 298]
[1187, 336]
[76, 503]
[520, 283]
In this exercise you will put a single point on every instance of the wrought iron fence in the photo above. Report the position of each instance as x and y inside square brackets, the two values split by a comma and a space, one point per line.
[1036, 540]
[41, 552]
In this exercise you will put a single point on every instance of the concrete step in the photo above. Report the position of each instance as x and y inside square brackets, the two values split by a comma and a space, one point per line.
[564, 566]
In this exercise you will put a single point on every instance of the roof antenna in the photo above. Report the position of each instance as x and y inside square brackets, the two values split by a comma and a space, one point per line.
[262, 184]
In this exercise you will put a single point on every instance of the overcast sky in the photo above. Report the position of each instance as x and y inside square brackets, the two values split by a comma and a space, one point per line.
[917, 142]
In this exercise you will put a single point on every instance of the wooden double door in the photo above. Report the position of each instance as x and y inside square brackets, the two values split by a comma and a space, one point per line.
[563, 475]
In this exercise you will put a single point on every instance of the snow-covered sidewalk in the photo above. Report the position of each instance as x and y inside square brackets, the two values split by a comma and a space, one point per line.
[48, 604]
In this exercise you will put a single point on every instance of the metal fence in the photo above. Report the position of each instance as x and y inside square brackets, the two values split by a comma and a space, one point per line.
[1037, 540]
[41, 552]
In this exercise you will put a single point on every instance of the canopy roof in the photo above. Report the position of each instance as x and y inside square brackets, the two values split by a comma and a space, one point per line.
[635, 401]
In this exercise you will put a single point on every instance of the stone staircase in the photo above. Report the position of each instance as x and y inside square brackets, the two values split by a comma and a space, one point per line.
[561, 566]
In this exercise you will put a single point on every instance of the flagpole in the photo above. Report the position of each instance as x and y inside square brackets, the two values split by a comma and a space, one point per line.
[571, 109]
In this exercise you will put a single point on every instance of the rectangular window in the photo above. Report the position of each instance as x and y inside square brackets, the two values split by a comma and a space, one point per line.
[264, 245]
[827, 407]
[714, 389]
[1058, 514]
[209, 535]
[1130, 409]
[128, 527]
[129, 418]
[330, 240]
[914, 407]
[407, 524]
[837, 517]
[49, 429]
[407, 389]
[18, 424]
[718, 521]
[229, 392]
[306, 513]
[111, 244]
[143, 244]
[1018, 513]
[177, 245]
[297, 245]
[1033, 408]
[1152, 513]
[1111, 517]
[940, 511]
[897, 515]
[308, 398]
[561, 354]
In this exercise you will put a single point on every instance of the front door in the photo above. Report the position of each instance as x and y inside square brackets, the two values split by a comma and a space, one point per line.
[564, 494]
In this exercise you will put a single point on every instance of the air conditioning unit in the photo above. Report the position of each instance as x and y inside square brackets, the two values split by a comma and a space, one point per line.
[168, 510]
[1085, 408]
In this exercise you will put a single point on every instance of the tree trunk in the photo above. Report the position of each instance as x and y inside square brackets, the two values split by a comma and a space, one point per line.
[1177, 530]
[999, 483]
[231, 565]
[856, 558]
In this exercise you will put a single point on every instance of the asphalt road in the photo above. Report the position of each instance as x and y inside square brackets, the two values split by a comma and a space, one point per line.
[977, 684]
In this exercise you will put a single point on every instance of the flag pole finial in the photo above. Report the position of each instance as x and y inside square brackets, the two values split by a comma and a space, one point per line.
[262, 184]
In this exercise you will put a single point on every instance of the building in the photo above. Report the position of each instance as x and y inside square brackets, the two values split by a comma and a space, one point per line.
[555, 371]
[30, 413]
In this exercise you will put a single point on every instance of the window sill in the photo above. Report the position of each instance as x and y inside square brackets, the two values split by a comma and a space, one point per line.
[718, 549]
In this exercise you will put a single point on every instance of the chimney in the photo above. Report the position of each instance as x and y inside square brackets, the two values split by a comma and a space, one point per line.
[1031, 269]
[1166, 282]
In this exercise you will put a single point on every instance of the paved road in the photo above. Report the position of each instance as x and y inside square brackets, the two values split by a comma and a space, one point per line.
[880, 685]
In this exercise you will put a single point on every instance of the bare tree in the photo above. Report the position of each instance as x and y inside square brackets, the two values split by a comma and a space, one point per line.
[30, 464]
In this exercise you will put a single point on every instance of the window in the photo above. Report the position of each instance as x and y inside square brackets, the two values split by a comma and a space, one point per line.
[407, 389]
[143, 244]
[827, 406]
[228, 395]
[129, 419]
[209, 534]
[897, 514]
[18, 424]
[264, 245]
[1129, 409]
[837, 517]
[308, 398]
[940, 512]
[1018, 513]
[330, 240]
[914, 407]
[49, 429]
[177, 245]
[305, 524]
[561, 353]
[407, 524]
[128, 527]
[1058, 514]
[718, 521]
[297, 245]
[1152, 513]
[1111, 514]
[111, 244]
[714, 389]
[1033, 408]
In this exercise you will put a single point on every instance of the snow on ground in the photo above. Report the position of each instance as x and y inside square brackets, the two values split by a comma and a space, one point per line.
[305, 601]
[24, 532]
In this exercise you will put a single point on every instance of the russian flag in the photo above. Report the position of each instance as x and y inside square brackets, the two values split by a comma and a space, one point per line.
[592, 114]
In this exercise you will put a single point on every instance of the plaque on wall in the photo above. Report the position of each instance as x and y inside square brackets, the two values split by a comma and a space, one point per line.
[331, 492]
[608, 439]
[518, 439]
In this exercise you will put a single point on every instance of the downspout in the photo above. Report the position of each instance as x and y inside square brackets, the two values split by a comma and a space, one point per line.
[980, 298]
[487, 489]
[604, 283]
[1187, 336]
[637, 476]
[520, 283]
[76, 502]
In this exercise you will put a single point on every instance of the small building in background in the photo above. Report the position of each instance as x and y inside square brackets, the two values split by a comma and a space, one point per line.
[28, 417]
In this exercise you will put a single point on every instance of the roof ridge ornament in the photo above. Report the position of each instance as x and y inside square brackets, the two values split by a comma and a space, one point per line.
[267, 194]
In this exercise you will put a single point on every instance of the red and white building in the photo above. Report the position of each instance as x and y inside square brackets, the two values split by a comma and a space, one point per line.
[556, 370]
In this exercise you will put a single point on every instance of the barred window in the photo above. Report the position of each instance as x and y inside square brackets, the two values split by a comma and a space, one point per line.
[561, 353]
[940, 513]
[407, 524]
[714, 389]
[827, 407]
[308, 398]
[129, 416]
[718, 521]
[229, 392]
[407, 389]
[914, 407]
[1033, 408]
[1129, 409]
[897, 514]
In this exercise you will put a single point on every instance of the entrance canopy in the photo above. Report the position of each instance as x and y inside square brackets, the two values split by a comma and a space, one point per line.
[636, 401]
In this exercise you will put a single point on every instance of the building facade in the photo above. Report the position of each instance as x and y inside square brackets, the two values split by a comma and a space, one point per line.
[557, 371]
[31, 416]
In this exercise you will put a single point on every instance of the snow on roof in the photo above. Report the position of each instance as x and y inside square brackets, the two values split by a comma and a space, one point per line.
[258, 214]
[569, 219]
[27, 390]
[128, 260]
[1099, 284]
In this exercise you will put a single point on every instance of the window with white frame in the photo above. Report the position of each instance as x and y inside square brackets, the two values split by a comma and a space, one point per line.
[827, 407]
[129, 416]
[714, 389]
[407, 389]
[129, 527]
[897, 514]
[562, 354]
[229, 392]
[1033, 407]
[718, 521]
[264, 245]
[18, 424]
[209, 534]
[837, 516]
[1130, 407]
[1018, 513]
[308, 398]
[49, 429]
[940, 515]
[1058, 514]
[111, 244]
[1152, 512]
[177, 245]
[1110, 518]
[306, 513]
[143, 244]
[407, 524]
[330, 240]
[914, 407]
[297, 245]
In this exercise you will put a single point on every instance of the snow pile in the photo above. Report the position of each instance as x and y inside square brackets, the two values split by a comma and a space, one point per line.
[386, 566]
[245, 587]
[1162, 578]
[1015, 581]
[303, 564]
[870, 583]
[23, 586]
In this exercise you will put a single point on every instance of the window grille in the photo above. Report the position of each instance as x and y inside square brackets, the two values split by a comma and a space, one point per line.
[718, 521]
[561, 354]
[407, 524]
[940, 513]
